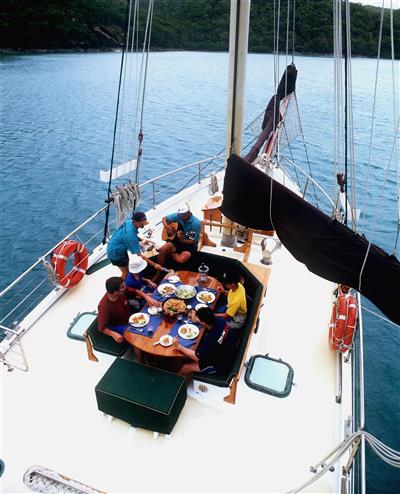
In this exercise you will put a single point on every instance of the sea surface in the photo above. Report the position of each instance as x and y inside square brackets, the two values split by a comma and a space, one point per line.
[56, 134]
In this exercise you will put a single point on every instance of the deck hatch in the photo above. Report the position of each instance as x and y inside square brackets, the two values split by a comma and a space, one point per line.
[269, 375]
[80, 324]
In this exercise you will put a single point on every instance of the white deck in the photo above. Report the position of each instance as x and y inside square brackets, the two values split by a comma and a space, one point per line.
[262, 443]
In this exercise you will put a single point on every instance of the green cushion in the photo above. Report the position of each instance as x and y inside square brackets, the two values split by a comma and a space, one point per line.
[104, 343]
[144, 396]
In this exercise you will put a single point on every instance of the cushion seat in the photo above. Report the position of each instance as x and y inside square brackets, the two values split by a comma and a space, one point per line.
[104, 343]
[143, 396]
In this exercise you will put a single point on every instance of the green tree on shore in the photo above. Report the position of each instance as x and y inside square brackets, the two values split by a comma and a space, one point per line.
[188, 25]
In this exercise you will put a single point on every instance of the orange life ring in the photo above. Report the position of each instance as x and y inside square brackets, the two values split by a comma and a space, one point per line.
[343, 323]
[60, 258]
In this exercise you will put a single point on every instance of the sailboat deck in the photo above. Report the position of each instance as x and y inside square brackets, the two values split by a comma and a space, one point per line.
[246, 447]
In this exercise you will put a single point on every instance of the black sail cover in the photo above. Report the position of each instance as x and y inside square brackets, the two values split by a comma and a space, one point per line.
[327, 247]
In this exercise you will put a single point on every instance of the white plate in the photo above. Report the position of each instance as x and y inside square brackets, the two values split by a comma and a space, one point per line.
[166, 340]
[142, 318]
[185, 292]
[162, 287]
[174, 279]
[210, 295]
[188, 331]
[199, 306]
[152, 310]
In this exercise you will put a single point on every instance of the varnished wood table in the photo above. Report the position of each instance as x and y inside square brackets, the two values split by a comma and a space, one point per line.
[146, 344]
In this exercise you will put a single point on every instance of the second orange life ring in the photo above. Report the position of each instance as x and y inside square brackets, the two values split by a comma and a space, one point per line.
[343, 323]
[60, 258]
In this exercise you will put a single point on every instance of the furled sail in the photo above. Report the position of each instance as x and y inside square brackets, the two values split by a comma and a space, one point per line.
[272, 115]
[327, 247]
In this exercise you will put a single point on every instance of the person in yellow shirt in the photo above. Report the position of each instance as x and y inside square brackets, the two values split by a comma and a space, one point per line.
[236, 310]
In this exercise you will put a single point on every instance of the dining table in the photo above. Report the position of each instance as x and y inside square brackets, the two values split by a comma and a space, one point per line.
[162, 325]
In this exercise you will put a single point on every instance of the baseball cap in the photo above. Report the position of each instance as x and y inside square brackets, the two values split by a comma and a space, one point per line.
[139, 216]
[183, 208]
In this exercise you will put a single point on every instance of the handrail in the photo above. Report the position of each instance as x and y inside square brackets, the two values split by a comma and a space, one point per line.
[312, 180]
[151, 181]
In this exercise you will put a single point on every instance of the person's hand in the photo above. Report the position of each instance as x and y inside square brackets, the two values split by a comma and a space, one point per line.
[152, 284]
[175, 343]
[179, 234]
[153, 303]
[170, 230]
[220, 289]
[118, 338]
[158, 267]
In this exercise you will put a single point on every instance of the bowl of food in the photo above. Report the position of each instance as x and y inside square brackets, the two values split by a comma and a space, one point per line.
[173, 306]
[185, 292]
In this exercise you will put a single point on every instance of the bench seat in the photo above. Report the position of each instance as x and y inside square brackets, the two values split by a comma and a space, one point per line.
[104, 343]
[141, 395]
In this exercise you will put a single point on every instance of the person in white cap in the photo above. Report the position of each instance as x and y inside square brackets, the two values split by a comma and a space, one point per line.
[185, 237]
[137, 286]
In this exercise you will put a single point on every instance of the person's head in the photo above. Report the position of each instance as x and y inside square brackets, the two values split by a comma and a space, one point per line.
[230, 279]
[206, 316]
[136, 263]
[184, 212]
[115, 285]
[139, 219]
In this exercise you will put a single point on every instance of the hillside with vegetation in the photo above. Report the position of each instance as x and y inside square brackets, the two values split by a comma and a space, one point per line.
[186, 25]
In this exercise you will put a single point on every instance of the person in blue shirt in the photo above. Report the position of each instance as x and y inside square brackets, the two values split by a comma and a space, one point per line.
[126, 239]
[186, 237]
[217, 348]
[138, 287]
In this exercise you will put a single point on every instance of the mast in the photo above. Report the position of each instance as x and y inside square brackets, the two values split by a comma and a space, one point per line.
[238, 43]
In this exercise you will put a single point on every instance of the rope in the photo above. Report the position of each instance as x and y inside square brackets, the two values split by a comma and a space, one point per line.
[385, 453]
[381, 317]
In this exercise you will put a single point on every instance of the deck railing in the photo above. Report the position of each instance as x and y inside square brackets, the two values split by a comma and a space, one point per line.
[24, 300]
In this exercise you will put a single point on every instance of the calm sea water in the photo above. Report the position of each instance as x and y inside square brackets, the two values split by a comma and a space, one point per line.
[57, 124]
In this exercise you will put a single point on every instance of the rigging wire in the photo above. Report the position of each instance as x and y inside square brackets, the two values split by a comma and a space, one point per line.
[105, 233]
[146, 50]
[372, 119]
[395, 111]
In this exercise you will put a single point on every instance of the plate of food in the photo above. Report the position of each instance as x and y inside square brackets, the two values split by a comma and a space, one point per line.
[174, 306]
[205, 297]
[188, 331]
[185, 292]
[166, 289]
[139, 319]
[174, 279]
[201, 306]
[166, 340]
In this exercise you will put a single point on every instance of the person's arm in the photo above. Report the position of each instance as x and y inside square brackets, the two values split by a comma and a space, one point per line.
[186, 241]
[166, 222]
[191, 354]
[224, 315]
[155, 265]
[149, 300]
[132, 240]
[150, 283]
[118, 338]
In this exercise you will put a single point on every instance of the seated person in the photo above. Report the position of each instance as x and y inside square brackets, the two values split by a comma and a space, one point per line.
[216, 350]
[137, 287]
[113, 310]
[185, 238]
[236, 310]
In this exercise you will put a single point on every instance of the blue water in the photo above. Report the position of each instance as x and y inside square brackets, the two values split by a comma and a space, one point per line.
[57, 123]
